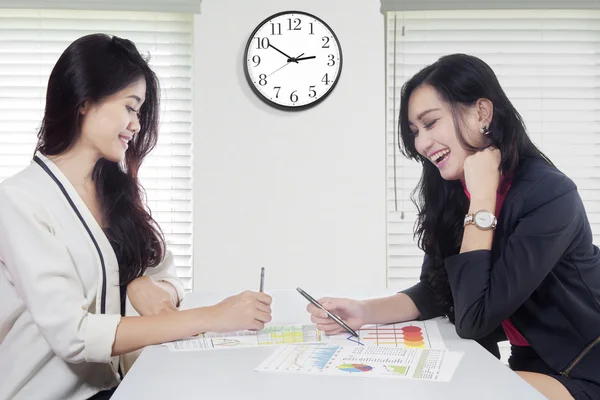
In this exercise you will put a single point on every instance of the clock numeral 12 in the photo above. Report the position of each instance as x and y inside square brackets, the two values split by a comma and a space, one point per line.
[297, 21]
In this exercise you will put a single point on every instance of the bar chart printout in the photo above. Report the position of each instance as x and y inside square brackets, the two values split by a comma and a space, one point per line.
[271, 335]
[363, 361]
[410, 335]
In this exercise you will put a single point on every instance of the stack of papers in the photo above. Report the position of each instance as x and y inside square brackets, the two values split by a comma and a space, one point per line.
[411, 350]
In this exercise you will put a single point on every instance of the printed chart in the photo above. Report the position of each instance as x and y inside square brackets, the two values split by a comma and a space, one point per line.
[364, 361]
[410, 335]
[272, 335]
[299, 358]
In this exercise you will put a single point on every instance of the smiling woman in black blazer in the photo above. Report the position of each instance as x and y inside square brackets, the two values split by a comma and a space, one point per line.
[508, 244]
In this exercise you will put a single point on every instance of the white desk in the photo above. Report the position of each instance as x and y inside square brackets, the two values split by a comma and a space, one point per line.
[229, 373]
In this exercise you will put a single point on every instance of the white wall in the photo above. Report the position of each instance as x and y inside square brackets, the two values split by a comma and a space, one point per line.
[302, 193]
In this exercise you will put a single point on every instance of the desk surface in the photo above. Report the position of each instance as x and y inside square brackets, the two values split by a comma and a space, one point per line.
[229, 373]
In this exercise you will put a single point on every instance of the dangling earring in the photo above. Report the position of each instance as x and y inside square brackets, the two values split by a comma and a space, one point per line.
[485, 130]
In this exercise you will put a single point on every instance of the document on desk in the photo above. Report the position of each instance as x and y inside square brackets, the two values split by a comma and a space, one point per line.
[271, 335]
[363, 361]
[410, 335]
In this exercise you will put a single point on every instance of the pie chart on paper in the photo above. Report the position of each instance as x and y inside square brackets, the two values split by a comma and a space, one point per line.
[354, 367]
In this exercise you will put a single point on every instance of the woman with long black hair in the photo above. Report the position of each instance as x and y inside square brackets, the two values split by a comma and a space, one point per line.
[508, 245]
[76, 237]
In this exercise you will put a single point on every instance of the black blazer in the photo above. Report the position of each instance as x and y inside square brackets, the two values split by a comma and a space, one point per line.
[543, 273]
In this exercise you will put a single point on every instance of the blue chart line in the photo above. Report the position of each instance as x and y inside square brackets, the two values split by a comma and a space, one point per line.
[321, 356]
[351, 338]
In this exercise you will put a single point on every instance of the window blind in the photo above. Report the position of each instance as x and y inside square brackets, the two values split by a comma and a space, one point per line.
[411, 5]
[30, 43]
[171, 6]
[548, 63]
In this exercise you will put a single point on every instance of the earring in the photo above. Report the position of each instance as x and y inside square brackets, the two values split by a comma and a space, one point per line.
[485, 130]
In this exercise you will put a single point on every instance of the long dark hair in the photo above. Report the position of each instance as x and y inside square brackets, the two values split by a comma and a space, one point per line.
[459, 80]
[90, 69]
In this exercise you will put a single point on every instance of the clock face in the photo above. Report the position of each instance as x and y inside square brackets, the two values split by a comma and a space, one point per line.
[293, 60]
[483, 219]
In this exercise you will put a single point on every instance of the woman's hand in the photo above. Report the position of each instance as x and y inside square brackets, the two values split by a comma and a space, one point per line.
[482, 173]
[352, 312]
[149, 298]
[247, 310]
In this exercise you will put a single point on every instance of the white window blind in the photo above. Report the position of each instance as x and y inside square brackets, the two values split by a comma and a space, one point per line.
[30, 43]
[412, 5]
[171, 6]
[548, 63]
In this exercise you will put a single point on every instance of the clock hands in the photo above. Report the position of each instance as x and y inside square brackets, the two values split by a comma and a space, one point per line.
[294, 59]
[300, 58]
[284, 65]
[291, 59]
[288, 57]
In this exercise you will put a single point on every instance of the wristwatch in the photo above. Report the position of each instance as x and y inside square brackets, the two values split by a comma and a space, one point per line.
[482, 219]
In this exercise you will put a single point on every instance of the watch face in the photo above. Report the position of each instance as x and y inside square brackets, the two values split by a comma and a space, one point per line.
[483, 219]
[293, 60]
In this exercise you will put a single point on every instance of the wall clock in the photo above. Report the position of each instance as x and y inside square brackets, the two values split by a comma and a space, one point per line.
[293, 60]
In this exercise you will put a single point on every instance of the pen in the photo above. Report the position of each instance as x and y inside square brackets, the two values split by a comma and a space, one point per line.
[262, 279]
[331, 315]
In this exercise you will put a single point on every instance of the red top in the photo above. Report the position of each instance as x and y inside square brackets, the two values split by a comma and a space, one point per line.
[513, 335]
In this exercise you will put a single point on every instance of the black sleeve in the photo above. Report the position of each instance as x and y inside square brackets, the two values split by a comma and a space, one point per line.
[487, 291]
[490, 342]
[422, 293]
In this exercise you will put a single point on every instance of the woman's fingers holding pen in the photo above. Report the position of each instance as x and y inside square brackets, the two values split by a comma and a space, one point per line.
[262, 316]
[349, 310]
[247, 310]
[327, 302]
[263, 307]
[259, 296]
[330, 328]
[314, 311]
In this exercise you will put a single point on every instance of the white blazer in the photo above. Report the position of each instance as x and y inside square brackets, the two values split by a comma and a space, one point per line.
[59, 290]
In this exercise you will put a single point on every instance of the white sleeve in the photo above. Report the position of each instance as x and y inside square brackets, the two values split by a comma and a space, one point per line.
[45, 277]
[166, 271]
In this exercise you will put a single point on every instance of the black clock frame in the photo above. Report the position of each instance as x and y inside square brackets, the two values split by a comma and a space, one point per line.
[272, 103]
